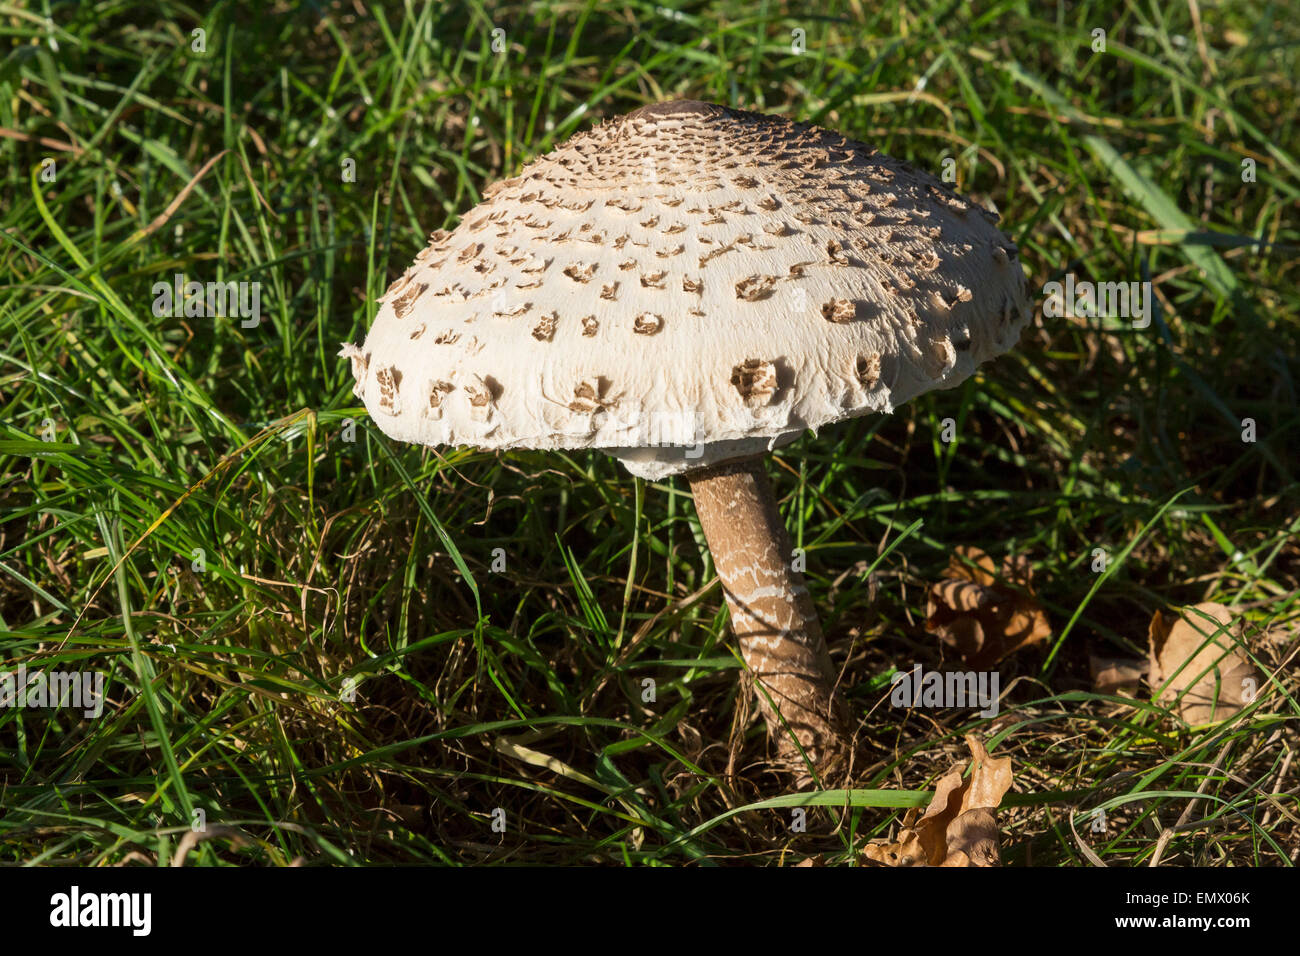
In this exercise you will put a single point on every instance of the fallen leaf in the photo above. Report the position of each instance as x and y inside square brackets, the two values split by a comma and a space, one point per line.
[959, 827]
[1198, 659]
[984, 617]
[973, 839]
[1118, 676]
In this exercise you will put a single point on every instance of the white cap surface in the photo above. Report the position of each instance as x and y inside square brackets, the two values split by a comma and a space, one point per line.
[686, 284]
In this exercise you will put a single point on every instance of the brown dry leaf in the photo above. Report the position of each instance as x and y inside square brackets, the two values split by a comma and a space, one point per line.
[1203, 661]
[959, 828]
[983, 618]
[1119, 676]
[973, 839]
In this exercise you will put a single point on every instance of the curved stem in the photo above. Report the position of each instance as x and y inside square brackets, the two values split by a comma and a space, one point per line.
[771, 611]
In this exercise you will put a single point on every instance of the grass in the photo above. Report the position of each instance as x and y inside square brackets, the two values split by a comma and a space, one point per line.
[354, 673]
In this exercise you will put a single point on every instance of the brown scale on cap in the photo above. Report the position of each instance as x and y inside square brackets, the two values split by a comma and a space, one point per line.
[481, 400]
[388, 381]
[835, 249]
[587, 398]
[544, 330]
[509, 311]
[755, 380]
[839, 310]
[437, 391]
[397, 285]
[647, 323]
[755, 288]
[867, 370]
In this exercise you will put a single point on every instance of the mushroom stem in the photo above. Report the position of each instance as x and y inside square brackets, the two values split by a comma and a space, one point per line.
[771, 612]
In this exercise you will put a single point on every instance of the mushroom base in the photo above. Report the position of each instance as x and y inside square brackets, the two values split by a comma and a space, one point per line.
[772, 615]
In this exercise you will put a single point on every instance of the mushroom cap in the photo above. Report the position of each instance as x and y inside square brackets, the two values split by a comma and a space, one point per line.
[686, 284]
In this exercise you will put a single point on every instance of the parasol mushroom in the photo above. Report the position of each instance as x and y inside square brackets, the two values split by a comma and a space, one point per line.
[688, 287]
